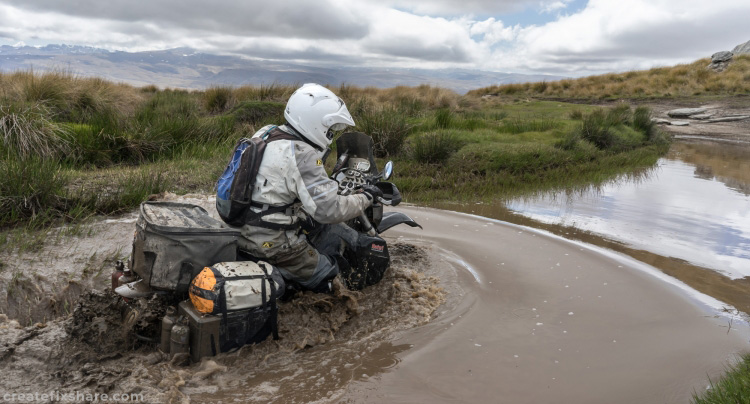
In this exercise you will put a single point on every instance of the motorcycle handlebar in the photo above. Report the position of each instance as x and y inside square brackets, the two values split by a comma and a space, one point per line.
[384, 201]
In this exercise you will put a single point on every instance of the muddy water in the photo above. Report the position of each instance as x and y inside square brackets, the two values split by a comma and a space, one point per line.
[545, 319]
[472, 309]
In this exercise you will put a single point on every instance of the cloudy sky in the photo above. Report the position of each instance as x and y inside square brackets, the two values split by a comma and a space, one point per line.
[565, 37]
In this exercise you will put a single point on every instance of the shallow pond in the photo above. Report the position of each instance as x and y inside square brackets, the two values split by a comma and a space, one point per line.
[689, 216]
[694, 205]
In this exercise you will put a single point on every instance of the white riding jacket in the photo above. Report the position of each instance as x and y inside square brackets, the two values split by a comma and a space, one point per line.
[292, 170]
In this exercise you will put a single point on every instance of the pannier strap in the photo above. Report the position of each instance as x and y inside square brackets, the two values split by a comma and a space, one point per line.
[255, 218]
[264, 297]
[274, 307]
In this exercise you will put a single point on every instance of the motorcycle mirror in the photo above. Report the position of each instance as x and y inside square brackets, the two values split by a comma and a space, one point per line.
[388, 171]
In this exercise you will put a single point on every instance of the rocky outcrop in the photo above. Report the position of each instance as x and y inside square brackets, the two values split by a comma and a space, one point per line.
[720, 61]
[703, 114]
[742, 49]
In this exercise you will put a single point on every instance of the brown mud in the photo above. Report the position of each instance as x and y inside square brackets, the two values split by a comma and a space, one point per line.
[326, 341]
[472, 310]
[43, 282]
[550, 320]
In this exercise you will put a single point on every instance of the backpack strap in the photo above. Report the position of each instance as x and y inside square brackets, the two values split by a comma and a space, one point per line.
[255, 218]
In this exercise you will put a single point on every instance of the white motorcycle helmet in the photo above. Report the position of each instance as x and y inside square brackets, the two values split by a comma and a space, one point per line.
[315, 112]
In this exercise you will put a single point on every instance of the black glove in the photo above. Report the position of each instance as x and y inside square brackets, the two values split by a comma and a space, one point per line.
[372, 192]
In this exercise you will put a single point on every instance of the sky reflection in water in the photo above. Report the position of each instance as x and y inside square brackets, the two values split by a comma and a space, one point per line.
[694, 205]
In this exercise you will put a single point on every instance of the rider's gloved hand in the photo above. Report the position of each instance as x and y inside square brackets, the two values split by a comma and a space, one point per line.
[372, 192]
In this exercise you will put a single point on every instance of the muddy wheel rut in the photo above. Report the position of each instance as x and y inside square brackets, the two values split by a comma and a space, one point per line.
[89, 351]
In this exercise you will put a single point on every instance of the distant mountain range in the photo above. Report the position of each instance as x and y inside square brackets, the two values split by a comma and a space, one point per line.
[187, 68]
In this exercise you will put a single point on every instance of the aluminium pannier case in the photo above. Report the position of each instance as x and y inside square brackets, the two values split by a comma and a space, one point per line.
[174, 241]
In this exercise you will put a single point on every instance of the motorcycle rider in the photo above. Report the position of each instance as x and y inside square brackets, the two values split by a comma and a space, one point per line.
[293, 183]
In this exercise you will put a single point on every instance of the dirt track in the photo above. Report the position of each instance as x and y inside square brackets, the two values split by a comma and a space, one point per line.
[549, 320]
[737, 131]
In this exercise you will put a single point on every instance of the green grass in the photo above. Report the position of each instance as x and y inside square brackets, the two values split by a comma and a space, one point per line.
[387, 125]
[528, 147]
[72, 148]
[435, 147]
[732, 388]
[259, 113]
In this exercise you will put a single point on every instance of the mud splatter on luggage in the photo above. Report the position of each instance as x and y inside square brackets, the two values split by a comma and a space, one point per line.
[326, 342]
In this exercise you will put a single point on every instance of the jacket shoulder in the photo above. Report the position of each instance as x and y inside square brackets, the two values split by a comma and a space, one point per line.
[262, 131]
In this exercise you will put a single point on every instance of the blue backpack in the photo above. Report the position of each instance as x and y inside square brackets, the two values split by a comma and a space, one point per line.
[234, 190]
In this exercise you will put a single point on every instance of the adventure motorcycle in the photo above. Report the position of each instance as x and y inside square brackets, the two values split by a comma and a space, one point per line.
[176, 242]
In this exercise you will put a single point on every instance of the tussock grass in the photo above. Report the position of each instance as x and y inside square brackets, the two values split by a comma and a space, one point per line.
[218, 99]
[75, 147]
[443, 118]
[29, 190]
[387, 126]
[436, 147]
[259, 113]
[265, 92]
[26, 131]
[68, 97]
[617, 129]
[682, 80]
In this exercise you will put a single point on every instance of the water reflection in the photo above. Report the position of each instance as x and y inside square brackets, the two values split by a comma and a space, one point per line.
[694, 205]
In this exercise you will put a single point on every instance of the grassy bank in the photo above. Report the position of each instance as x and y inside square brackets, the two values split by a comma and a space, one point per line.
[687, 80]
[732, 388]
[520, 148]
[74, 147]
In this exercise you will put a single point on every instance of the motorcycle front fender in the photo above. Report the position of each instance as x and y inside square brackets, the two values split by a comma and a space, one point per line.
[391, 219]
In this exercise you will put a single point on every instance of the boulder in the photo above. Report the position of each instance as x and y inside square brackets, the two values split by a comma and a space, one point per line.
[686, 112]
[702, 116]
[742, 49]
[720, 61]
[680, 123]
[722, 56]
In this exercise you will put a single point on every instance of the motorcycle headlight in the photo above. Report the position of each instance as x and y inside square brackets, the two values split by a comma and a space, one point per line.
[338, 126]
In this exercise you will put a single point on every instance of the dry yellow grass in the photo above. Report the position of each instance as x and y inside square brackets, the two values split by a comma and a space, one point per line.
[64, 90]
[423, 96]
[682, 80]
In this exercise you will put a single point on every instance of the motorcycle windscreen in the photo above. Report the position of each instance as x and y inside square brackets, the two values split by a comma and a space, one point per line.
[357, 145]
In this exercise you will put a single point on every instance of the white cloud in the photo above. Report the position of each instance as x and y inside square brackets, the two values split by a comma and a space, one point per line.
[406, 35]
[455, 8]
[615, 35]
[493, 31]
[605, 35]
[551, 7]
